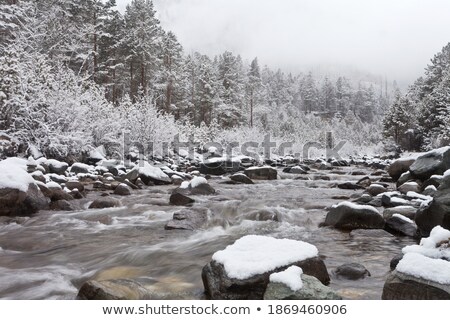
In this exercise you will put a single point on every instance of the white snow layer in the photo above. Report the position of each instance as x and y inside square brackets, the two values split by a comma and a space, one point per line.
[420, 266]
[252, 255]
[429, 246]
[197, 181]
[402, 217]
[153, 172]
[413, 194]
[291, 277]
[13, 174]
[356, 206]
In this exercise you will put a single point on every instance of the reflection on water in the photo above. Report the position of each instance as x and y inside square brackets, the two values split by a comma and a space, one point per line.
[50, 255]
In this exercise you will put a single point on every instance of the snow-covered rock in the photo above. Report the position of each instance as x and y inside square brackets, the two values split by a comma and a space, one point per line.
[242, 270]
[19, 192]
[241, 178]
[436, 212]
[197, 186]
[424, 270]
[408, 187]
[375, 189]
[220, 165]
[148, 174]
[80, 168]
[349, 216]
[122, 190]
[399, 224]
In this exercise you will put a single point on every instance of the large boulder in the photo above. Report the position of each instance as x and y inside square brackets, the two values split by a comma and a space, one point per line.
[148, 174]
[261, 173]
[349, 216]
[178, 199]
[122, 190]
[400, 286]
[436, 212]
[219, 166]
[78, 167]
[400, 166]
[242, 270]
[399, 224]
[434, 162]
[241, 178]
[197, 186]
[19, 193]
[55, 166]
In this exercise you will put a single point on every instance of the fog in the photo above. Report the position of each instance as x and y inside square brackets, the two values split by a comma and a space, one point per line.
[395, 39]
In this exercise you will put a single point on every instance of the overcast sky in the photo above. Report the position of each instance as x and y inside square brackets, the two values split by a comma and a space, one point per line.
[396, 38]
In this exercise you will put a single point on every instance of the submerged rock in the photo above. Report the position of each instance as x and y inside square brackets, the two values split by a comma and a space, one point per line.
[188, 220]
[351, 271]
[261, 173]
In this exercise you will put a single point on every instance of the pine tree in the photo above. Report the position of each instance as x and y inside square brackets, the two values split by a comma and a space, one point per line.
[254, 84]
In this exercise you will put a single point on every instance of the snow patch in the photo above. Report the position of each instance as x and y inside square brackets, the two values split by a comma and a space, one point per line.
[402, 217]
[426, 268]
[13, 174]
[429, 246]
[252, 255]
[356, 206]
[291, 277]
[197, 181]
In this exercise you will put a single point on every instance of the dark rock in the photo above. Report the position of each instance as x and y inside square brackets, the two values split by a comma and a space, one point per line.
[358, 173]
[14, 202]
[395, 260]
[148, 174]
[57, 167]
[376, 189]
[433, 181]
[378, 173]
[397, 225]
[349, 186]
[409, 186]
[179, 199]
[79, 168]
[261, 173]
[364, 182]
[61, 205]
[437, 212]
[38, 176]
[312, 289]
[75, 185]
[351, 216]
[400, 286]
[219, 286]
[431, 163]
[405, 177]
[122, 190]
[59, 194]
[76, 194]
[187, 220]
[241, 178]
[219, 168]
[121, 289]
[386, 179]
[407, 211]
[393, 201]
[105, 202]
[398, 167]
[295, 170]
[351, 271]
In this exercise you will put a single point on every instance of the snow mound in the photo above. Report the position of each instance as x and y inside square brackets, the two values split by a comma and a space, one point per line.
[291, 277]
[252, 255]
[423, 267]
[14, 175]
[429, 247]
[197, 181]
[356, 206]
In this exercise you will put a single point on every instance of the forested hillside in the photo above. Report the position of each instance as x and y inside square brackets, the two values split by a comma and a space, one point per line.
[76, 74]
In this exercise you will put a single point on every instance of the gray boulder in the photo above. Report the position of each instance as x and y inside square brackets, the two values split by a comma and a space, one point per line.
[261, 173]
[349, 216]
[241, 178]
[179, 199]
[398, 225]
[400, 166]
[400, 286]
[312, 289]
[15, 202]
[105, 202]
[351, 271]
[431, 163]
[122, 190]
[188, 220]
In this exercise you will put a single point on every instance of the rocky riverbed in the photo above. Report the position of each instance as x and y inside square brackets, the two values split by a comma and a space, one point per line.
[155, 249]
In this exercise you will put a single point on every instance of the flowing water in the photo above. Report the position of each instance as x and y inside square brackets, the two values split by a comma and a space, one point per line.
[50, 255]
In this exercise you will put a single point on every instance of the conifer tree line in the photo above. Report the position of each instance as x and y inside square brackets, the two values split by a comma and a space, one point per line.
[420, 119]
[78, 71]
